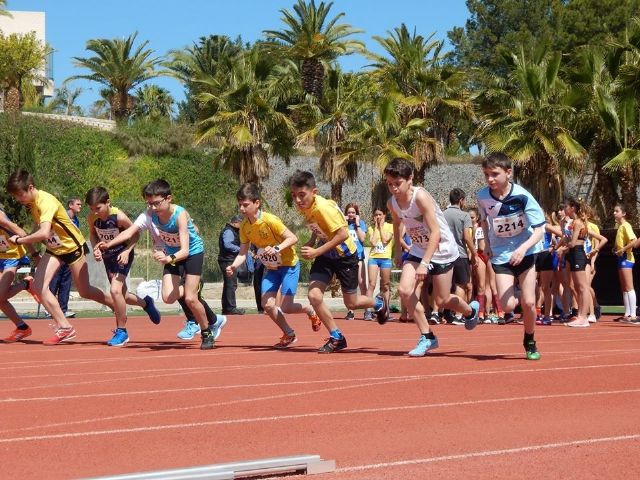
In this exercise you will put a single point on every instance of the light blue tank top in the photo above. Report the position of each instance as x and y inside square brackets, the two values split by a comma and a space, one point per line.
[171, 237]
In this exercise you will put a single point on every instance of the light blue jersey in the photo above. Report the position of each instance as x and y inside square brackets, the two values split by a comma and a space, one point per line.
[510, 221]
[170, 235]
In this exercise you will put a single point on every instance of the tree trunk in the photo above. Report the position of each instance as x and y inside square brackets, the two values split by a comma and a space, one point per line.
[336, 193]
[122, 105]
[542, 178]
[605, 197]
[12, 100]
[312, 73]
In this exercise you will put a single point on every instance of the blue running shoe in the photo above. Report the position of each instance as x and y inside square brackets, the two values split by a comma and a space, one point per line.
[152, 311]
[217, 327]
[189, 331]
[119, 339]
[471, 322]
[382, 309]
[424, 345]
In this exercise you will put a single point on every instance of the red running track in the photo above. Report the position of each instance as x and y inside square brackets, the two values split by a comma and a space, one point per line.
[474, 408]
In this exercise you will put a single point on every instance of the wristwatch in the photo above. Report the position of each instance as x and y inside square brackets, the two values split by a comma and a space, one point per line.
[173, 259]
[276, 249]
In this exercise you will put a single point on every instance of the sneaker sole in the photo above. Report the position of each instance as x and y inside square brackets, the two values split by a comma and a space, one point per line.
[285, 347]
[118, 344]
[219, 329]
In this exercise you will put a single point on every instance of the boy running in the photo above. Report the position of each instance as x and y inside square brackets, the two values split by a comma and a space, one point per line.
[513, 224]
[64, 245]
[180, 249]
[433, 252]
[274, 242]
[105, 223]
[334, 253]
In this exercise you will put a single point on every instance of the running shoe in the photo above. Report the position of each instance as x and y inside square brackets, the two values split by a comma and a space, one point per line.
[598, 311]
[61, 335]
[18, 335]
[506, 319]
[217, 327]
[531, 350]
[382, 309]
[286, 341]
[368, 315]
[152, 311]
[424, 345]
[70, 314]
[208, 341]
[471, 322]
[434, 318]
[547, 320]
[189, 331]
[119, 339]
[333, 345]
[316, 323]
[592, 319]
[457, 321]
[350, 315]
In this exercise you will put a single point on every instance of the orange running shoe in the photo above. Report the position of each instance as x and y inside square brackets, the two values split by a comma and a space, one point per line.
[18, 335]
[61, 335]
[286, 341]
[316, 323]
[28, 282]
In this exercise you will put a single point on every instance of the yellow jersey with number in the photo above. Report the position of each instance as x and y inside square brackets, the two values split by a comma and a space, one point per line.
[325, 219]
[64, 237]
[380, 250]
[9, 250]
[624, 235]
[267, 231]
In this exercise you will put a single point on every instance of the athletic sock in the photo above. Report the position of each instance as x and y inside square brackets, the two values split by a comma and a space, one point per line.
[482, 300]
[429, 335]
[337, 334]
[22, 326]
[625, 299]
[528, 337]
[632, 303]
[290, 332]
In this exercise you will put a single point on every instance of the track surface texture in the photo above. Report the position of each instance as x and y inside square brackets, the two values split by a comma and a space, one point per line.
[472, 409]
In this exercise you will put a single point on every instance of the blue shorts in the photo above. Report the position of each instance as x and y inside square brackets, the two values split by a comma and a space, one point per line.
[113, 268]
[624, 263]
[287, 277]
[13, 262]
[380, 262]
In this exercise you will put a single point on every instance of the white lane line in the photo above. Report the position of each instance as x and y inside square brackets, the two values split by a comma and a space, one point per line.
[489, 453]
[311, 415]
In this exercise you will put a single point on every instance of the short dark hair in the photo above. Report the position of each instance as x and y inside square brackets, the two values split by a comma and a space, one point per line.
[302, 178]
[158, 187]
[19, 181]
[72, 200]
[95, 195]
[456, 195]
[248, 191]
[622, 207]
[497, 159]
[399, 167]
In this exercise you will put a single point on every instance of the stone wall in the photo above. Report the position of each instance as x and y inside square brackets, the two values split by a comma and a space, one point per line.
[108, 125]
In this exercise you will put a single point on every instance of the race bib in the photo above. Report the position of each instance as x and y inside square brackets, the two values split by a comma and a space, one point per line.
[170, 239]
[315, 229]
[4, 243]
[378, 248]
[354, 235]
[107, 234]
[509, 226]
[54, 240]
[270, 260]
[419, 236]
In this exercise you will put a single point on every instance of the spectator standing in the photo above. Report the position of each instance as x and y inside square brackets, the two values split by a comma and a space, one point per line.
[60, 285]
[229, 247]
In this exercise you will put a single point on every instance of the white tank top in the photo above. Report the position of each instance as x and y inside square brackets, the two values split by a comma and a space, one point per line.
[418, 230]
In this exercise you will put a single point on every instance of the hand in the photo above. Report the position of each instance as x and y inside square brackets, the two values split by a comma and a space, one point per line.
[516, 257]
[308, 253]
[421, 273]
[14, 239]
[123, 258]
[268, 250]
[97, 254]
[159, 256]
[358, 220]
[474, 260]
[229, 271]
[102, 246]
[620, 252]
[397, 260]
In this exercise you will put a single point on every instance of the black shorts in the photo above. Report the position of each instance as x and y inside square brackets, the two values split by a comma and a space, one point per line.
[515, 270]
[461, 271]
[192, 265]
[435, 269]
[113, 268]
[577, 258]
[72, 257]
[545, 262]
[344, 268]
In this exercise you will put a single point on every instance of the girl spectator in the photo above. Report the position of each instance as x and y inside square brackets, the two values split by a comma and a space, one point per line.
[625, 240]
[381, 237]
[358, 231]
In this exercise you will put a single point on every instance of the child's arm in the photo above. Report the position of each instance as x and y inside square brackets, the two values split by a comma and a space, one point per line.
[340, 236]
[359, 232]
[289, 239]
[183, 232]
[424, 202]
[398, 233]
[125, 222]
[39, 235]
[17, 229]
[122, 237]
[520, 252]
[602, 241]
[94, 240]
[385, 237]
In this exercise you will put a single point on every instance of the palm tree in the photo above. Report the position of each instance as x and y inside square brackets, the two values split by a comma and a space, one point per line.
[431, 95]
[120, 67]
[153, 102]
[3, 9]
[526, 117]
[64, 101]
[314, 41]
[245, 125]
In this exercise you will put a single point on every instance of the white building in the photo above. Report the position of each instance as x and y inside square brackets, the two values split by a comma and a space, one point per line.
[26, 22]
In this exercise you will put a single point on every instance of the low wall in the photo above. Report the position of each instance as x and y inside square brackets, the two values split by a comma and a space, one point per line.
[108, 125]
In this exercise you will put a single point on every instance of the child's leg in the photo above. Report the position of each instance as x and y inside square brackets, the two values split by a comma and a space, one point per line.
[271, 282]
[47, 268]
[385, 283]
[118, 291]
[444, 297]
[191, 286]
[6, 281]
[626, 277]
[316, 298]
[80, 274]
[546, 279]
[582, 290]
[527, 281]
[362, 277]
[506, 292]
[373, 278]
[410, 290]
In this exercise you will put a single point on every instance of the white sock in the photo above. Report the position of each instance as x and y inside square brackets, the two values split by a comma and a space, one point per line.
[632, 303]
[625, 299]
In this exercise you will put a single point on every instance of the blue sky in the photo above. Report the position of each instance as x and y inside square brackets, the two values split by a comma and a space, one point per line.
[171, 25]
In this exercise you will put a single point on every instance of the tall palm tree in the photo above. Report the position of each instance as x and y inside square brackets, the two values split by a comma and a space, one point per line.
[527, 118]
[3, 9]
[120, 67]
[245, 125]
[312, 39]
[153, 102]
